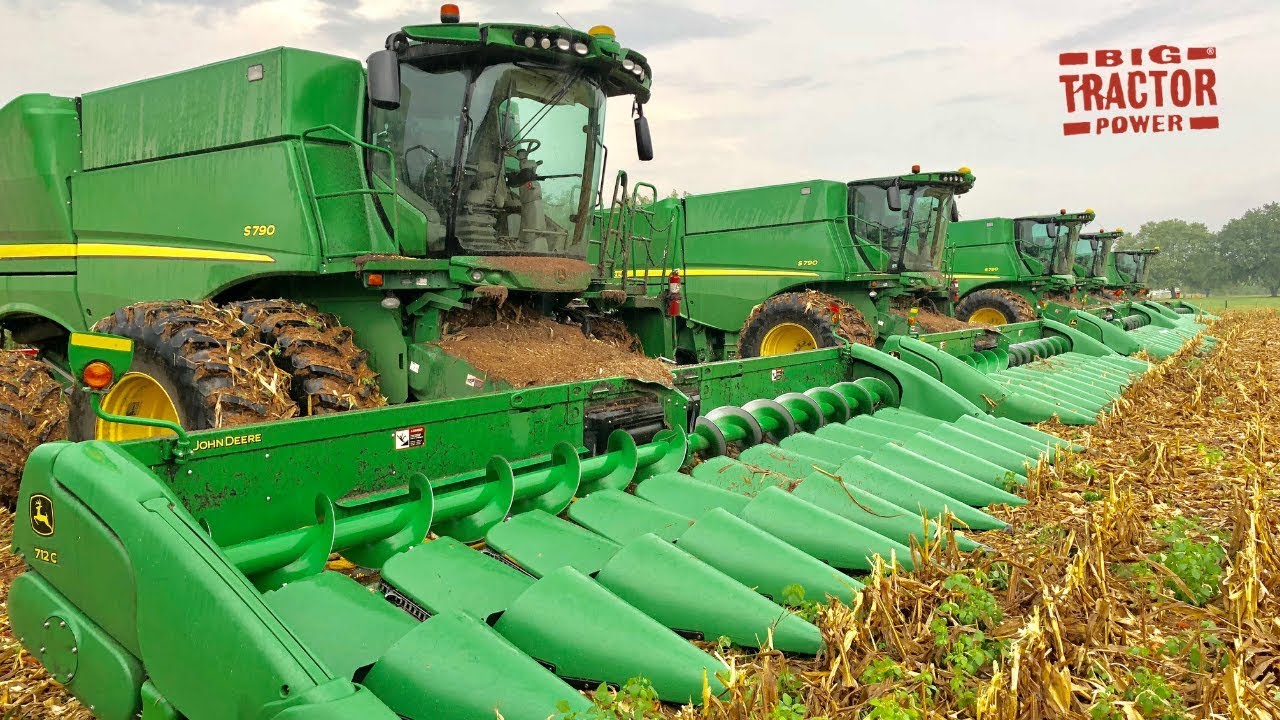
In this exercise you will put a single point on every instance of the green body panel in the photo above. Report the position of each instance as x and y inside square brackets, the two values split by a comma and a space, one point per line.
[217, 106]
[41, 148]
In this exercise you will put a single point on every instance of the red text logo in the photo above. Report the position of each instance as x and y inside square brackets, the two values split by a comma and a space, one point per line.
[1165, 88]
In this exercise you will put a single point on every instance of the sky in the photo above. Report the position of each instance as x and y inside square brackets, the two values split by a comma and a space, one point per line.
[754, 93]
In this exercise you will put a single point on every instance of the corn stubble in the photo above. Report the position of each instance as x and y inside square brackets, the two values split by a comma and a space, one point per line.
[1141, 581]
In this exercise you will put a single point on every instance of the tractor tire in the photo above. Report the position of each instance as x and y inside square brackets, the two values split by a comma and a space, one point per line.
[330, 374]
[995, 307]
[33, 410]
[211, 367]
[794, 322]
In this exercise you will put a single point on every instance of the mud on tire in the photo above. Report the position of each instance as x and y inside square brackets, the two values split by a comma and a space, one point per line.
[330, 373]
[216, 371]
[1009, 303]
[33, 410]
[826, 317]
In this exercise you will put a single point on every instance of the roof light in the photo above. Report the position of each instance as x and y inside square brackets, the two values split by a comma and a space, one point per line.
[964, 171]
[530, 41]
[581, 48]
[1062, 211]
[562, 44]
[601, 31]
[97, 375]
[449, 13]
[1089, 210]
[1119, 230]
[545, 43]
[628, 64]
[915, 168]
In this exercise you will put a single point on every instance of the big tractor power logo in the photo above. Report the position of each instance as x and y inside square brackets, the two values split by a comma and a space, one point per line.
[1163, 89]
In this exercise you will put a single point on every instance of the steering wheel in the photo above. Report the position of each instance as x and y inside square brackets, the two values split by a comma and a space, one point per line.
[531, 142]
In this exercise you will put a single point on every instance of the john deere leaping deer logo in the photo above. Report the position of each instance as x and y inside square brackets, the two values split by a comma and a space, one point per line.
[42, 515]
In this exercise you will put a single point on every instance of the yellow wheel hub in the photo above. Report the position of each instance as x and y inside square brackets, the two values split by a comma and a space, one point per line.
[989, 316]
[787, 338]
[136, 395]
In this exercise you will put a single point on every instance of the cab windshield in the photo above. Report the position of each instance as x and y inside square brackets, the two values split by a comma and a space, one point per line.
[1088, 258]
[1127, 264]
[513, 173]
[1051, 249]
[913, 237]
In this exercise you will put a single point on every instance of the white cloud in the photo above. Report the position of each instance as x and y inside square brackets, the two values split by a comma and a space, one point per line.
[756, 92]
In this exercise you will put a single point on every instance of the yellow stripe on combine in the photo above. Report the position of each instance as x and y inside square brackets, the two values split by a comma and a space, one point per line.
[40, 251]
[720, 272]
[101, 342]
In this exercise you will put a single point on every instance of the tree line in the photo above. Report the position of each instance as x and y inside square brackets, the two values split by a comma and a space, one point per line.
[1244, 253]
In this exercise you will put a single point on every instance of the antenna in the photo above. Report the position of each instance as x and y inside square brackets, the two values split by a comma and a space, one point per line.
[566, 22]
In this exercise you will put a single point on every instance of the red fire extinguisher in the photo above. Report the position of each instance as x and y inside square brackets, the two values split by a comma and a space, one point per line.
[955, 290]
[673, 294]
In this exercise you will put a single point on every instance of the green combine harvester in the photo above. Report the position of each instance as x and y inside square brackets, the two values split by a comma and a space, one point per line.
[778, 269]
[539, 555]
[327, 235]
[1006, 269]
[1016, 270]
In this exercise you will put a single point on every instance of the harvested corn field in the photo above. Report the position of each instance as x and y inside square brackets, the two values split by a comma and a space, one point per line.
[1138, 581]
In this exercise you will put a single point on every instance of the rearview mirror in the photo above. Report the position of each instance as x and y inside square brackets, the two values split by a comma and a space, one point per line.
[955, 212]
[1052, 229]
[893, 196]
[644, 143]
[384, 79]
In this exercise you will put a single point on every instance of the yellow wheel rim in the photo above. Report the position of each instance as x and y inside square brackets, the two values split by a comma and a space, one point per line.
[136, 395]
[989, 316]
[787, 338]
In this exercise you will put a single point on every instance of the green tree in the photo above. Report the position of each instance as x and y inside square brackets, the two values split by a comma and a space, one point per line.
[1251, 246]
[1189, 255]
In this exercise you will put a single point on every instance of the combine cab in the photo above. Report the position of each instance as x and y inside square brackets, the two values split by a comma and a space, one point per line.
[772, 270]
[524, 547]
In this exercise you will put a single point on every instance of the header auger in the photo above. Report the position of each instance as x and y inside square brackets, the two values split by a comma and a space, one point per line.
[497, 523]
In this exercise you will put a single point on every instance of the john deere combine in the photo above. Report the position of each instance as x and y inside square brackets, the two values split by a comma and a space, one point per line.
[601, 550]
[1007, 268]
[327, 231]
[1015, 270]
[771, 270]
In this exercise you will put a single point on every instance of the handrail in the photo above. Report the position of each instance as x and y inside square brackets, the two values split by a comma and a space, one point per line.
[316, 197]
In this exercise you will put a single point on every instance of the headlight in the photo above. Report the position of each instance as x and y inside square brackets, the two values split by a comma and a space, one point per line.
[545, 43]
[639, 71]
[477, 275]
[628, 65]
[562, 44]
[581, 48]
[530, 41]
